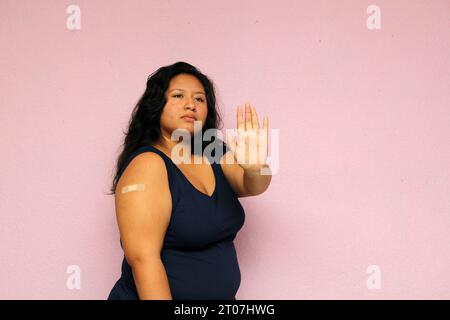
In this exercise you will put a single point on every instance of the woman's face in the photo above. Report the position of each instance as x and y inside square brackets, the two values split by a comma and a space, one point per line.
[185, 96]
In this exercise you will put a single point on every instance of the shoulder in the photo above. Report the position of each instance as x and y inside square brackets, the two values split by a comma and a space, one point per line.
[146, 166]
[143, 189]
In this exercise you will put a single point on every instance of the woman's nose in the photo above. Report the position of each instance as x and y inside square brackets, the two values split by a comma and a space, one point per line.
[190, 103]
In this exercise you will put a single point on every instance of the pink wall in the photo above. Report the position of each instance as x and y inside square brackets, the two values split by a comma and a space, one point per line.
[364, 120]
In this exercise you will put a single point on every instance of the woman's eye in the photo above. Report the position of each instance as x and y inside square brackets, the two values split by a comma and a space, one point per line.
[179, 95]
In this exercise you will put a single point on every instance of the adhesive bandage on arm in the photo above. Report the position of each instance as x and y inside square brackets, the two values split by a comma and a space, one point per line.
[133, 187]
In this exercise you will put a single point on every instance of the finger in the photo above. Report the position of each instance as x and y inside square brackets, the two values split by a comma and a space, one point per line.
[263, 137]
[248, 117]
[230, 141]
[266, 123]
[229, 159]
[255, 119]
[266, 127]
[240, 119]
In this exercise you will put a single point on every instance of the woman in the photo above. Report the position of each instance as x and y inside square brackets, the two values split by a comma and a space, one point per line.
[177, 222]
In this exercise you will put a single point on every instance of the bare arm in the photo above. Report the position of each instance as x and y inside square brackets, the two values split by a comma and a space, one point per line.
[245, 183]
[143, 216]
[254, 182]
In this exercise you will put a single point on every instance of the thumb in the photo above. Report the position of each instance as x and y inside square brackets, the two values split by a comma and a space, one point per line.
[231, 142]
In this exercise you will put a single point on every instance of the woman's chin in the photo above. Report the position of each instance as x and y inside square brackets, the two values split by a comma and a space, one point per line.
[189, 127]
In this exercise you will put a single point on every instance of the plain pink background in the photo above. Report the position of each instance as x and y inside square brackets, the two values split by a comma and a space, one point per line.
[364, 120]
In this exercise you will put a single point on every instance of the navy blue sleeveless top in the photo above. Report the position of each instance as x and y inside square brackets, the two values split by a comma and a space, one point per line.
[198, 252]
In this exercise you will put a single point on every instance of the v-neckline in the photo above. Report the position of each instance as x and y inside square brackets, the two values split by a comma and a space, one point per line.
[211, 165]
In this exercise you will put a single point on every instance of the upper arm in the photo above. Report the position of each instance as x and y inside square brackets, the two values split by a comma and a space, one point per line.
[143, 216]
[235, 175]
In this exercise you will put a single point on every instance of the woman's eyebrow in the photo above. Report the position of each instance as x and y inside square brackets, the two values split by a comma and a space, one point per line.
[183, 90]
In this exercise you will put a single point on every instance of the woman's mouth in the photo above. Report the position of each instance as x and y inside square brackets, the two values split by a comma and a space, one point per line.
[189, 119]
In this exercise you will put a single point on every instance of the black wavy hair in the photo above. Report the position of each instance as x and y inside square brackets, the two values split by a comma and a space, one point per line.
[144, 125]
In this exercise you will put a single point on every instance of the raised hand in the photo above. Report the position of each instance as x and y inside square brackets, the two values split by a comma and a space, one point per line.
[250, 148]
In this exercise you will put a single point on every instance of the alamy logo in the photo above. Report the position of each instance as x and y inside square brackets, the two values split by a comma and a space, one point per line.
[374, 20]
[374, 279]
[73, 21]
[74, 279]
[235, 137]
